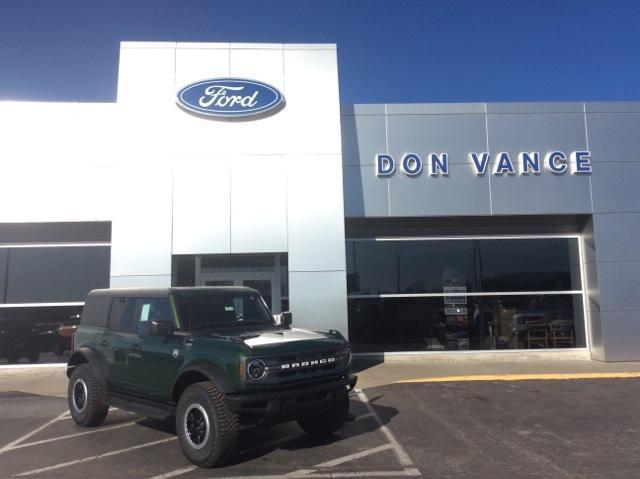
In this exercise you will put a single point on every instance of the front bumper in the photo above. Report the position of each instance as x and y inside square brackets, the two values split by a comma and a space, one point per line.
[292, 402]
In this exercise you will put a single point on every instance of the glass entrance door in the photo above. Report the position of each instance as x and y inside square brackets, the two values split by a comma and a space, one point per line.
[217, 279]
[264, 282]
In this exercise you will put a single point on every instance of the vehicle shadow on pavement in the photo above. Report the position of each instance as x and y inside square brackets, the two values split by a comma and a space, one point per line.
[255, 442]
[166, 425]
[19, 394]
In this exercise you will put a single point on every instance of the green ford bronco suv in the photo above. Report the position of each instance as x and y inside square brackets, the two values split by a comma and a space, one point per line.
[214, 357]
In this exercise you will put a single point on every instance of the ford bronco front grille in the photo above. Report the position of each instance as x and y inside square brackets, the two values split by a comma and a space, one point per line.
[305, 365]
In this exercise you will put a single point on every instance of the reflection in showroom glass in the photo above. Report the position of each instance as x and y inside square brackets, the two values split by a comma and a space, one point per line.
[470, 323]
[37, 334]
[489, 265]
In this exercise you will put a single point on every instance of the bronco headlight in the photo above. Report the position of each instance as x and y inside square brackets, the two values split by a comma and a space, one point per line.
[256, 369]
[346, 354]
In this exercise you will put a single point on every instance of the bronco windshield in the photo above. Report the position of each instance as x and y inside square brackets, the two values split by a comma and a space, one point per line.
[207, 309]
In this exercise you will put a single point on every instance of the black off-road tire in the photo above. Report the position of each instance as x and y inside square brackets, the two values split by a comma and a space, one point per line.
[93, 410]
[327, 422]
[217, 446]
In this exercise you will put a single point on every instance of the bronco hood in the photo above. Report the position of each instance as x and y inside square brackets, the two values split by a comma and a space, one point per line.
[282, 336]
[289, 340]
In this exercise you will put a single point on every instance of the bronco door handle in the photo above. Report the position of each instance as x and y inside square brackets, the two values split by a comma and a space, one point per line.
[104, 343]
[136, 348]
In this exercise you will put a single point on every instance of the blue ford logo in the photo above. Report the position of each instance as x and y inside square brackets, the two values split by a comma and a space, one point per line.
[230, 97]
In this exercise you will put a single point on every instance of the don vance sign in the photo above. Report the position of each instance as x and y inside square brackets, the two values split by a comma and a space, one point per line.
[503, 163]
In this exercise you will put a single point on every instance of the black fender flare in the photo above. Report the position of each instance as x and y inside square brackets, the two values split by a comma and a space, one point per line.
[212, 372]
[88, 355]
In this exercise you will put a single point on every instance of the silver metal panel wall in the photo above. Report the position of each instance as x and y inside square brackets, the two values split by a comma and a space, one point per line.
[537, 131]
[141, 229]
[316, 225]
[360, 184]
[314, 301]
[440, 195]
[592, 291]
[454, 134]
[258, 205]
[611, 259]
[201, 205]
[612, 131]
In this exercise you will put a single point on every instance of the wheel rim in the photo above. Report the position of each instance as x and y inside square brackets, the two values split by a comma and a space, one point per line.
[79, 395]
[196, 426]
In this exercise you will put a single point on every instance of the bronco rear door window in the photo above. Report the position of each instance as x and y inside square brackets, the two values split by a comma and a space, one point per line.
[122, 318]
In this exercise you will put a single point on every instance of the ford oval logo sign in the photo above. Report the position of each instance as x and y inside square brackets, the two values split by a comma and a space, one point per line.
[230, 98]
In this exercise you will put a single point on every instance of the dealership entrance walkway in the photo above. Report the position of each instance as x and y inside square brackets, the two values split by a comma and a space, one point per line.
[50, 380]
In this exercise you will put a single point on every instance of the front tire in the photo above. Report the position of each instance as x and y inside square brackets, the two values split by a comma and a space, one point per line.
[207, 428]
[329, 421]
[86, 397]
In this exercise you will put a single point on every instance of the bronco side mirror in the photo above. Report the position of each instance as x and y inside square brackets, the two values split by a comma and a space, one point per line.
[286, 319]
[160, 328]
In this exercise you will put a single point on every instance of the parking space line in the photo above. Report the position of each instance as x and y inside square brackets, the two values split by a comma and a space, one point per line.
[353, 457]
[364, 416]
[402, 455]
[67, 415]
[523, 377]
[299, 473]
[177, 472]
[68, 436]
[93, 458]
[28, 435]
[304, 474]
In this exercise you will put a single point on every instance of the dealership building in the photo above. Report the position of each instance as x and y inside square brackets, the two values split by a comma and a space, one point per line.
[411, 228]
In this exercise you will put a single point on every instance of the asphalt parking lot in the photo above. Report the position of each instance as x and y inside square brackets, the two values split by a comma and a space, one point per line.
[487, 429]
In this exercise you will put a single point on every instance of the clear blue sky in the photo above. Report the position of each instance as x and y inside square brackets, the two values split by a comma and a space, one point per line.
[389, 50]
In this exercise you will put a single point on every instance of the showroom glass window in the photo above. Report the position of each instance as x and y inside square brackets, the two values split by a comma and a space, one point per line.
[464, 294]
[42, 290]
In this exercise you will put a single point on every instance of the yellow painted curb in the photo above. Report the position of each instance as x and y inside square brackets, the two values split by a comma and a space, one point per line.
[521, 377]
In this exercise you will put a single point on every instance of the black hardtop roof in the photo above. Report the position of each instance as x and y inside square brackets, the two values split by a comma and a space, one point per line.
[161, 292]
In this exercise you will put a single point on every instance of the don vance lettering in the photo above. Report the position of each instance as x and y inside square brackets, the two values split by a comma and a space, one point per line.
[503, 163]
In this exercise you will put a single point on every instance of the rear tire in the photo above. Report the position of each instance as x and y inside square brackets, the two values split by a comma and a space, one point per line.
[327, 422]
[207, 427]
[86, 397]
